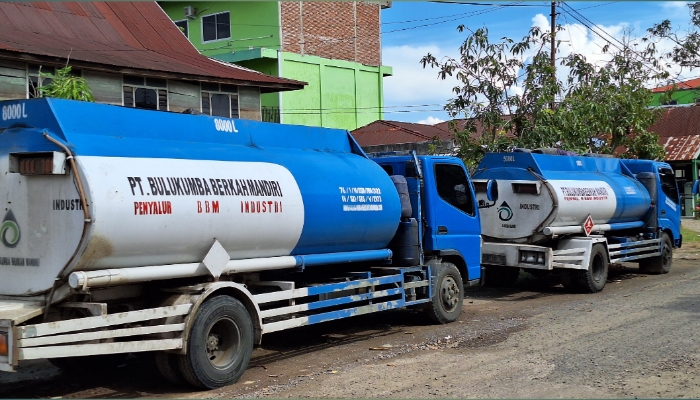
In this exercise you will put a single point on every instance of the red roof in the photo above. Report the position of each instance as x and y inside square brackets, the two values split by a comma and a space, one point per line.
[691, 84]
[679, 132]
[394, 132]
[458, 126]
[134, 35]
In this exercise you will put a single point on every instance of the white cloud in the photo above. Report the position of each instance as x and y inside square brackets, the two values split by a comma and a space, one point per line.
[430, 121]
[675, 5]
[411, 84]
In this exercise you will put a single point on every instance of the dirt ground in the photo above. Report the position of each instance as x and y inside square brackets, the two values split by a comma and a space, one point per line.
[637, 338]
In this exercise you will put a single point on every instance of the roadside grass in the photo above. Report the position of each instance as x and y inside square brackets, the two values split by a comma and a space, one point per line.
[691, 239]
[689, 235]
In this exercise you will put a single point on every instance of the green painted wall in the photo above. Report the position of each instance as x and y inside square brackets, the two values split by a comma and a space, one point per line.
[253, 24]
[682, 96]
[301, 107]
[339, 94]
[345, 94]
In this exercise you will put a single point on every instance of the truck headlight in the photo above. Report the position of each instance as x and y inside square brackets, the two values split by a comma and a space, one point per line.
[3, 344]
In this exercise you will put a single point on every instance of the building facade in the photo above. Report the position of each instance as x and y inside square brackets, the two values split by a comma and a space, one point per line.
[333, 46]
[687, 92]
[130, 54]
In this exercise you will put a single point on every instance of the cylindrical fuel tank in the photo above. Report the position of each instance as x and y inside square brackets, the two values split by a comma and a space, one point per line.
[161, 187]
[537, 191]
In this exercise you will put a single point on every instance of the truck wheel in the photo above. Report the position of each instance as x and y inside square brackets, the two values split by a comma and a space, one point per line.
[662, 263]
[448, 295]
[499, 276]
[591, 280]
[220, 344]
[168, 366]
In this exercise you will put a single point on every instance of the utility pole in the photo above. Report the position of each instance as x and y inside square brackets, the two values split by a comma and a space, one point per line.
[553, 47]
[554, 35]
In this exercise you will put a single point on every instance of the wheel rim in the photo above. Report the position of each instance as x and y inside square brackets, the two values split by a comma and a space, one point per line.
[449, 293]
[597, 267]
[222, 342]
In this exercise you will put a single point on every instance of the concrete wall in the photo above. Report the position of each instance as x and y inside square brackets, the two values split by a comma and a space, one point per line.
[340, 94]
[253, 24]
[334, 46]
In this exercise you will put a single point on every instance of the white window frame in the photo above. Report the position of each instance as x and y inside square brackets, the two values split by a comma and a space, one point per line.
[187, 23]
[201, 27]
[144, 86]
[226, 92]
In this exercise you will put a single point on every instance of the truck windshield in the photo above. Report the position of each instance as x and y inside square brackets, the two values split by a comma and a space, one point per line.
[453, 187]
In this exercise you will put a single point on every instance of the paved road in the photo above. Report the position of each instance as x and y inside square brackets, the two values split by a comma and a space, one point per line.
[638, 338]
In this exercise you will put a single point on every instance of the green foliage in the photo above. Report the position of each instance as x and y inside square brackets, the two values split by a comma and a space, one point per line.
[66, 86]
[508, 91]
[686, 52]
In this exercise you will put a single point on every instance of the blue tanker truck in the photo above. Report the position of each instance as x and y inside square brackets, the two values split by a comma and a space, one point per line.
[575, 215]
[190, 236]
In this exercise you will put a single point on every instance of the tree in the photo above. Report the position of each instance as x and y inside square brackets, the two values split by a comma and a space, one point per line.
[509, 90]
[66, 86]
[686, 51]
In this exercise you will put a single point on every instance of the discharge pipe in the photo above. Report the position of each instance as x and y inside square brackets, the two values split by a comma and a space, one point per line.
[121, 276]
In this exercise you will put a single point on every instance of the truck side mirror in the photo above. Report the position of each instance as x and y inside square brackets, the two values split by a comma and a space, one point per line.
[492, 190]
[696, 186]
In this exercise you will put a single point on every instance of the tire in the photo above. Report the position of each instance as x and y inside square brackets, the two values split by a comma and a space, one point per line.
[661, 264]
[448, 295]
[220, 344]
[499, 276]
[591, 280]
[89, 364]
[168, 365]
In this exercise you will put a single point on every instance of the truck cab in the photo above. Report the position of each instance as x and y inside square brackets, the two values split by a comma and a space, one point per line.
[664, 214]
[443, 201]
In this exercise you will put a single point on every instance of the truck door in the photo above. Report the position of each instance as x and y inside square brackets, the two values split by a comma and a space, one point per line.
[453, 221]
[669, 207]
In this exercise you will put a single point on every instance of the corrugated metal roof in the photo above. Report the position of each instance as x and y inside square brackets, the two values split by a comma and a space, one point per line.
[679, 132]
[689, 84]
[458, 126]
[135, 35]
[394, 132]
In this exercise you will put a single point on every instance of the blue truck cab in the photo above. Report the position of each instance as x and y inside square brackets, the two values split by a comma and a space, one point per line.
[443, 201]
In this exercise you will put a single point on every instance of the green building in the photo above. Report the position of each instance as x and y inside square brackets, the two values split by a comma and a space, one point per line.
[687, 92]
[333, 46]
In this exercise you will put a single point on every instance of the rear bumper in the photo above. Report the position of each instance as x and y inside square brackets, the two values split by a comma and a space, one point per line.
[12, 313]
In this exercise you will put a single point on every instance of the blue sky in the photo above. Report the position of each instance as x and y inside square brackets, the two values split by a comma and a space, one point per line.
[414, 94]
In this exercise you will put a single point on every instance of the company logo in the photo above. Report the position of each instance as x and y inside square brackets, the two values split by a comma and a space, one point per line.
[9, 231]
[504, 212]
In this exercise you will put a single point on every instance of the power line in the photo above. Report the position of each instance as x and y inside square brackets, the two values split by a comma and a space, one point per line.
[597, 30]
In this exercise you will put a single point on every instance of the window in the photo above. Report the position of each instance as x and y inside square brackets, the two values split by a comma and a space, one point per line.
[668, 184]
[220, 100]
[146, 93]
[33, 81]
[453, 187]
[183, 26]
[216, 27]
